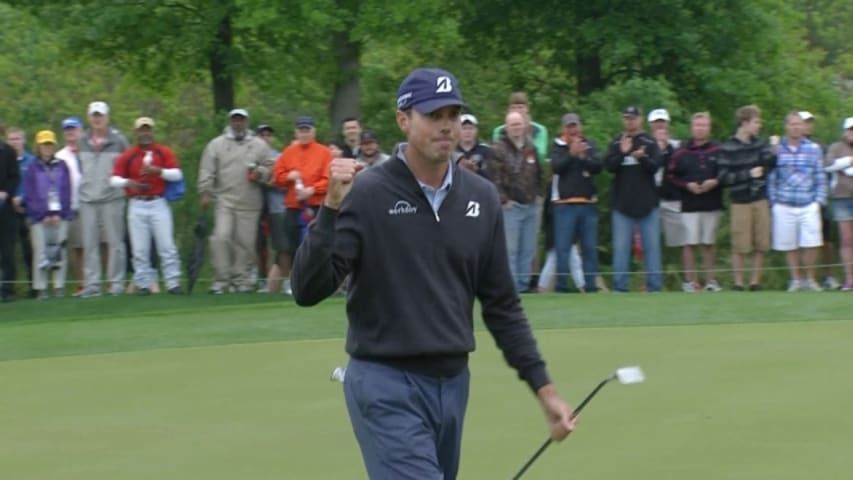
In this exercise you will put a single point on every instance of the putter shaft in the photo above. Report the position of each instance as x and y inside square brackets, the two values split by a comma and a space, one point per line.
[576, 412]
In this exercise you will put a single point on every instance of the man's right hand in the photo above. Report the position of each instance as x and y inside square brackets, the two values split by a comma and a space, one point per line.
[625, 144]
[578, 148]
[342, 172]
[204, 200]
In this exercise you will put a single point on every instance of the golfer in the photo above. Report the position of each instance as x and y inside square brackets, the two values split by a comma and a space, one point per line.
[421, 239]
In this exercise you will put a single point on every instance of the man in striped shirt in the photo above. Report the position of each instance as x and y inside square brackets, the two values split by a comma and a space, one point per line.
[797, 189]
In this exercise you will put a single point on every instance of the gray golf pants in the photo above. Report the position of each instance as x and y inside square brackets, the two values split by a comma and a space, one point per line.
[108, 217]
[408, 426]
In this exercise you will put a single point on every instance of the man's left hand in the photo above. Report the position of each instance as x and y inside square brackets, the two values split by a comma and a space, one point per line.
[557, 412]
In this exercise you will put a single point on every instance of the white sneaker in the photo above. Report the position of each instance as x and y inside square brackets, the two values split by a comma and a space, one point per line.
[713, 286]
[689, 287]
[793, 286]
[285, 287]
[810, 286]
[830, 283]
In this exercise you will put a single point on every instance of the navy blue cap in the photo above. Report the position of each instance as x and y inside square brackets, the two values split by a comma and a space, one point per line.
[368, 136]
[304, 122]
[72, 122]
[428, 89]
[632, 110]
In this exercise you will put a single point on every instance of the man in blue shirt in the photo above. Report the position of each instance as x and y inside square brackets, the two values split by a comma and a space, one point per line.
[797, 189]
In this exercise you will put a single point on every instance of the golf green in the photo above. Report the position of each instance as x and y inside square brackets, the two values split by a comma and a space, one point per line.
[721, 401]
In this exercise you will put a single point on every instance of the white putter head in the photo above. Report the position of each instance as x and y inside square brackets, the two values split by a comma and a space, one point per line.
[629, 375]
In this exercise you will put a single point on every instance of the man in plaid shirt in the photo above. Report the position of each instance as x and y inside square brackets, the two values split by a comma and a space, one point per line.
[797, 189]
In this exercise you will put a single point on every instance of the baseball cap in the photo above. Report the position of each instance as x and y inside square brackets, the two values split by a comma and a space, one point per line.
[71, 122]
[238, 111]
[632, 110]
[142, 121]
[45, 136]
[428, 89]
[571, 119]
[658, 114]
[468, 118]
[99, 107]
[848, 123]
[368, 136]
[806, 116]
[264, 128]
[303, 122]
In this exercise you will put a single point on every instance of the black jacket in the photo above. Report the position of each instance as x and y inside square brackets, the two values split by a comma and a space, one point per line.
[696, 163]
[10, 175]
[415, 273]
[735, 162]
[480, 155]
[575, 173]
[634, 192]
[667, 191]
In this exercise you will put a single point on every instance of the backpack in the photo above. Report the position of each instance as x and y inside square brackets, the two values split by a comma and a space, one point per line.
[174, 190]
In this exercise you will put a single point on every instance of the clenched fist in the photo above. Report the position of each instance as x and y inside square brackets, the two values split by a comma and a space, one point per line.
[341, 174]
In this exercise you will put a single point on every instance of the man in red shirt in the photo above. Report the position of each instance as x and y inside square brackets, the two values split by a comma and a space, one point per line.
[143, 170]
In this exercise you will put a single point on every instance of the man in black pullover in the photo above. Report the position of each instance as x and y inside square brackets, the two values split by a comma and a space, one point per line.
[574, 160]
[421, 238]
[10, 177]
[634, 157]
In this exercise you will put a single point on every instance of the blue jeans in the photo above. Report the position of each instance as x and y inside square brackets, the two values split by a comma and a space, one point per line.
[521, 225]
[574, 222]
[623, 235]
[408, 426]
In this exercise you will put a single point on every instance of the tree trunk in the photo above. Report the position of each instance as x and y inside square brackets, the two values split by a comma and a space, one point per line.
[588, 66]
[221, 72]
[346, 99]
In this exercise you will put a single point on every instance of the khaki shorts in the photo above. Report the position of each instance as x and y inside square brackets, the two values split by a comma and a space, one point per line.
[75, 234]
[674, 234]
[750, 227]
[701, 227]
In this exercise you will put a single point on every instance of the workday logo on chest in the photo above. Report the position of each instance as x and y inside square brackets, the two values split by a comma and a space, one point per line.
[403, 207]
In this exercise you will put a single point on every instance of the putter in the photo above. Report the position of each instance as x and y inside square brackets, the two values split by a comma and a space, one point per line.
[625, 375]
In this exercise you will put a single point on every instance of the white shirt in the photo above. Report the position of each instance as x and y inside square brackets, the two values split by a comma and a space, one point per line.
[70, 159]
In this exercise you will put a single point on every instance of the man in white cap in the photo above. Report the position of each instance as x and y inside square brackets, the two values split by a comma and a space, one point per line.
[233, 169]
[839, 160]
[101, 205]
[474, 154]
[828, 252]
[674, 232]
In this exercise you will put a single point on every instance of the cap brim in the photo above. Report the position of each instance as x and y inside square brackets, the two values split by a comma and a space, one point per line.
[432, 105]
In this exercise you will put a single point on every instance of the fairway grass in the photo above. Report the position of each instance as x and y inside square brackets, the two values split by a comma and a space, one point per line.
[221, 392]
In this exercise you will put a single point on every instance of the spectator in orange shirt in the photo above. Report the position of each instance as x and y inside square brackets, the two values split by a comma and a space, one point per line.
[303, 169]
